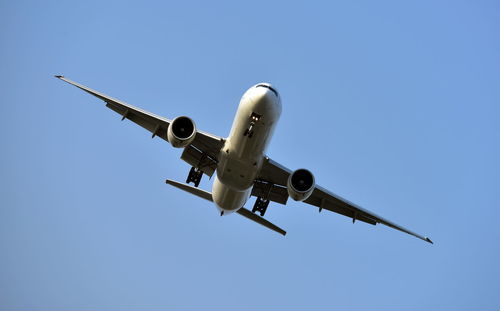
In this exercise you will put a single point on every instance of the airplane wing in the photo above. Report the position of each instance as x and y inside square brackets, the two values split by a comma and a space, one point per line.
[205, 147]
[277, 175]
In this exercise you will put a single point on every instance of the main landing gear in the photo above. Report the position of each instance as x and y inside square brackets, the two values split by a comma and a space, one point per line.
[253, 119]
[260, 206]
[194, 176]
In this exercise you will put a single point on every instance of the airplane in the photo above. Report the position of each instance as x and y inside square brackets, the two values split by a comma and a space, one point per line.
[242, 166]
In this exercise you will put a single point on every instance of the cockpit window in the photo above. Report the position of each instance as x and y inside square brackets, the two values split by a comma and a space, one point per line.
[268, 87]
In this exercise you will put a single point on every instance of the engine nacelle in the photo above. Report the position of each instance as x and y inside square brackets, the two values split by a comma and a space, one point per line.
[181, 132]
[300, 184]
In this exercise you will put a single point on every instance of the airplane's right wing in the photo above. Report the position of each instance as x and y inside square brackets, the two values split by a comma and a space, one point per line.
[203, 151]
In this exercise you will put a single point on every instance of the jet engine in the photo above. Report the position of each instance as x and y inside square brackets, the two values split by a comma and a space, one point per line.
[300, 184]
[181, 132]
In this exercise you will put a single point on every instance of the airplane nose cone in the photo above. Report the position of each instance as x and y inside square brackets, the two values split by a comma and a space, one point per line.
[265, 92]
[268, 87]
[266, 98]
[266, 95]
[263, 98]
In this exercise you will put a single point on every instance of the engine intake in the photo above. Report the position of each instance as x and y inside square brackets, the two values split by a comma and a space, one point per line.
[181, 132]
[300, 184]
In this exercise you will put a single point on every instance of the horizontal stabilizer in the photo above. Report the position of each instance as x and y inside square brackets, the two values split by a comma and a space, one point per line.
[193, 190]
[242, 211]
[266, 223]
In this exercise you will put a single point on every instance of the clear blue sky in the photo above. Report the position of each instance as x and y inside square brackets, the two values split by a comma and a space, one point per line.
[391, 104]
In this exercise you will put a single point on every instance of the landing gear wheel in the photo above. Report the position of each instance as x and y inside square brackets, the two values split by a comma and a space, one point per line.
[260, 206]
[194, 176]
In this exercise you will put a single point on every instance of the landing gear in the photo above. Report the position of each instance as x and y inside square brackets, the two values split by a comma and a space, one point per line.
[249, 131]
[194, 176]
[260, 206]
[253, 119]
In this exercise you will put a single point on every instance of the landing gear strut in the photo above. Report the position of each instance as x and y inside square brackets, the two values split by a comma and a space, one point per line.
[253, 119]
[260, 206]
[249, 130]
[194, 176]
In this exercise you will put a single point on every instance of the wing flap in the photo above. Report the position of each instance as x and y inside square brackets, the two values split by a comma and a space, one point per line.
[273, 192]
[197, 158]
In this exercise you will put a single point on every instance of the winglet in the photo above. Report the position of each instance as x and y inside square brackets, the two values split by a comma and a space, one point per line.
[59, 76]
[429, 240]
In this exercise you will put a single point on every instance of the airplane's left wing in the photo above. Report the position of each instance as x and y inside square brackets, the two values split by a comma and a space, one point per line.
[272, 173]
[204, 144]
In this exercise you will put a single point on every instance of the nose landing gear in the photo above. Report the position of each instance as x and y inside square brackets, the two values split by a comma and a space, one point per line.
[194, 176]
[253, 119]
[249, 130]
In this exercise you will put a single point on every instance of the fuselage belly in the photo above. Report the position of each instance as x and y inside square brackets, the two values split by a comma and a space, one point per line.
[242, 155]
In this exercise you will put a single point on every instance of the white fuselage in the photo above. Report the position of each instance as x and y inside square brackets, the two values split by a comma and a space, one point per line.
[241, 157]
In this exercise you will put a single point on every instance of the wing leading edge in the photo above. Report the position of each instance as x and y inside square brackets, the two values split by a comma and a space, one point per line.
[277, 174]
[204, 143]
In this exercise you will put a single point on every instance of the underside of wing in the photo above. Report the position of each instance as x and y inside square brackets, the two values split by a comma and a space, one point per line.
[271, 182]
[277, 175]
[157, 125]
[325, 199]
[204, 150]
